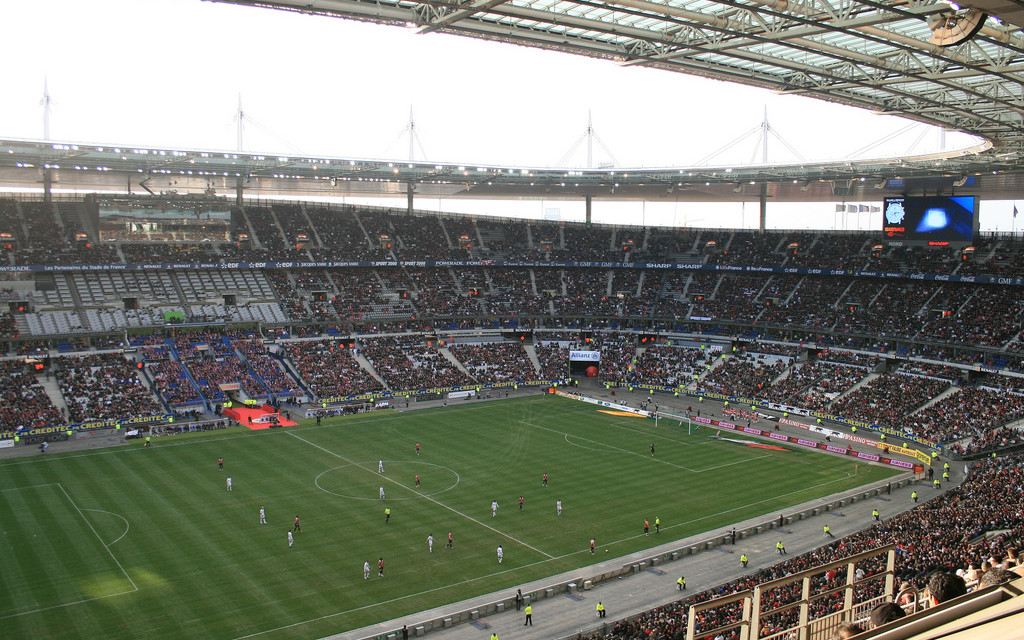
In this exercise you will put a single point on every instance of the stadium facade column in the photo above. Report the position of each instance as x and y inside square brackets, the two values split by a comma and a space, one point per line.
[763, 202]
[410, 190]
[239, 188]
[47, 186]
[590, 207]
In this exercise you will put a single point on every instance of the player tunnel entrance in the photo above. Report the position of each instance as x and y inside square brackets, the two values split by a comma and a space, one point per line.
[584, 363]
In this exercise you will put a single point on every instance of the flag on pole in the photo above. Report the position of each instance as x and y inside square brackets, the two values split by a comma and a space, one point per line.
[1014, 211]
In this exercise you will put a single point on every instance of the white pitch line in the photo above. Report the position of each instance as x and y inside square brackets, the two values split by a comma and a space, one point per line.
[424, 496]
[729, 464]
[67, 604]
[127, 526]
[612, 447]
[678, 466]
[112, 556]
[621, 425]
[32, 486]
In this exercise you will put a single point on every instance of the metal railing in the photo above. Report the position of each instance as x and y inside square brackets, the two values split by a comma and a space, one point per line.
[749, 625]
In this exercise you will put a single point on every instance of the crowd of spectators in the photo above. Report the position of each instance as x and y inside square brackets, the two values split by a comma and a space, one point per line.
[773, 349]
[491, 362]
[888, 398]
[831, 251]
[931, 370]
[11, 221]
[210, 373]
[554, 360]
[330, 368]
[663, 244]
[894, 311]
[840, 356]
[665, 365]
[407, 362]
[8, 326]
[172, 383]
[470, 280]
[461, 232]
[102, 386]
[259, 360]
[51, 253]
[989, 440]
[506, 240]
[587, 294]
[745, 375]
[989, 317]
[294, 224]
[815, 385]
[341, 236]
[617, 360]
[361, 296]
[293, 303]
[26, 404]
[585, 244]
[422, 238]
[32, 347]
[269, 234]
[141, 253]
[441, 297]
[968, 412]
[913, 260]
[512, 294]
[211, 360]
[749, 248]
[733, 299]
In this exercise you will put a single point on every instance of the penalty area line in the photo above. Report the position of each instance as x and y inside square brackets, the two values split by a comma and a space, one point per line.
[105, 546]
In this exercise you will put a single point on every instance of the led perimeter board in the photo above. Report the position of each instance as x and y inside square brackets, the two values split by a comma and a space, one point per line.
[937, 221]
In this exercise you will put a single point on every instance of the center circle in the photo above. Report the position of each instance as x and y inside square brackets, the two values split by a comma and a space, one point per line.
[360, 482]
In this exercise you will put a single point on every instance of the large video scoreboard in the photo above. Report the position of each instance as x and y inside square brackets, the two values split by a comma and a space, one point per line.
[940, 221]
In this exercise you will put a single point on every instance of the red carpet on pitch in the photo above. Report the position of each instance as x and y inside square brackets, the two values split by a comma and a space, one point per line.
[257, 417]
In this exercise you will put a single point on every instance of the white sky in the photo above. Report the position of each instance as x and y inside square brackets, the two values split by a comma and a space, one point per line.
[170, 73]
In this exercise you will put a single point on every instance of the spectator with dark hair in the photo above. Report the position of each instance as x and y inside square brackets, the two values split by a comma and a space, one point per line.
[997, 576]
[943, 587]
[885, 613]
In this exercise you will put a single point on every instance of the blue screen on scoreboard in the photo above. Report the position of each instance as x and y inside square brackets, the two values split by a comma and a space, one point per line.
[931, 220]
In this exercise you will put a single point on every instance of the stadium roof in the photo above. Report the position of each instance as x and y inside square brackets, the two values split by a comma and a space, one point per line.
[874, 55]
[933, 62]
[87, 167]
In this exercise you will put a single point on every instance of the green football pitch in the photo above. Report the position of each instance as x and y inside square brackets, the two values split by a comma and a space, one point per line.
[134, 542]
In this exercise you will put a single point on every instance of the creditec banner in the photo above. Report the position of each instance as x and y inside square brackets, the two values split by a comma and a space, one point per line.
[324, 402]
[114, 423]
